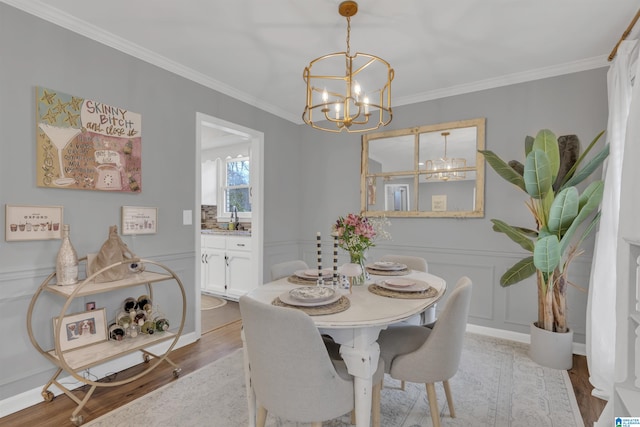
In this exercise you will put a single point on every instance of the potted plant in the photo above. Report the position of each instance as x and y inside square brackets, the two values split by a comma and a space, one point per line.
[550, 174]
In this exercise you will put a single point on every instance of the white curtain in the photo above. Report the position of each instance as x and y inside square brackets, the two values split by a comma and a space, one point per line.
[601, 304]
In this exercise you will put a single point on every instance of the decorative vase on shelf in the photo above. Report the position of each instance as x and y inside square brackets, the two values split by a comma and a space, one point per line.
[359, 258]
[66, 261]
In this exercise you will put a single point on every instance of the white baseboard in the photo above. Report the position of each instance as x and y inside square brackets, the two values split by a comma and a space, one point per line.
[578, 348]
[34, 396]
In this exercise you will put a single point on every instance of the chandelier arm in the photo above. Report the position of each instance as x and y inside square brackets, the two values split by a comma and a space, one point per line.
[364, 66]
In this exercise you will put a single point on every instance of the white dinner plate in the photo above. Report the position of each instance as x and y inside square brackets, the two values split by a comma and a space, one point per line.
[387, 266]
[313, 274]
[398, 282]
[312, 293]
[417, 286]
[287, 299]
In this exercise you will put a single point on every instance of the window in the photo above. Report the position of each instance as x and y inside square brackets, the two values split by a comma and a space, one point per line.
[237, 189]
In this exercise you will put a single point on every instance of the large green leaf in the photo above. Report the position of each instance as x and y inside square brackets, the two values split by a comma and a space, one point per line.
[503, 169]
[569, 146]
[537, 174]
[589, 201]
[547, 142]
[520, 271]
[514, 234]
[563, 211]
[526, 231]
[546, 254]
[588, 169]
[516, 166]
[577, 164]
[528, 145]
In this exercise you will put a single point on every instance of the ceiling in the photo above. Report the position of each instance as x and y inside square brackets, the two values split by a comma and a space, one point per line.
[256, 50]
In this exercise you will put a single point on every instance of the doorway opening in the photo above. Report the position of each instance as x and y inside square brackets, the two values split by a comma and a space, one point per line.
[213, 135]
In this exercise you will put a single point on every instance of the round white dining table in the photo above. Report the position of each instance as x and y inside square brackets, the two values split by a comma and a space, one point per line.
[356, 330]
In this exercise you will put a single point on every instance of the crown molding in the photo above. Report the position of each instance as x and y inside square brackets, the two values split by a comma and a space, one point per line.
[48, 13]
[506, 80]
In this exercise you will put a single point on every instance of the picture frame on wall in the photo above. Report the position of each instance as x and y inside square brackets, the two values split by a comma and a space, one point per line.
[439, 203]
[139, 220]
[31, 222]
[82, 329]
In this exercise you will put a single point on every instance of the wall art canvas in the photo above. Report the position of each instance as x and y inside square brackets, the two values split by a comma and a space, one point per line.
[85, 144]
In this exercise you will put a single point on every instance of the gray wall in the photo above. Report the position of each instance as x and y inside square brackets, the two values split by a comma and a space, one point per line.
[571, 104]
[34, 53]
[311, 178]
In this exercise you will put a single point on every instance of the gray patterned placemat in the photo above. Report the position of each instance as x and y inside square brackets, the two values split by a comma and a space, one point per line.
[335, 307]
[430, 292]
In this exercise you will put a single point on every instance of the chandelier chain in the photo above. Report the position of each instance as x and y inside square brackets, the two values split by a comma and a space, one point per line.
[348, 35]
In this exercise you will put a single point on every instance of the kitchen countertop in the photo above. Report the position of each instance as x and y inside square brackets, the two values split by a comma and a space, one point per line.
[221, 232]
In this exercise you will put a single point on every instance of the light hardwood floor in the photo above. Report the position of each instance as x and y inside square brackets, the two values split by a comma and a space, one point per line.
[212, 346]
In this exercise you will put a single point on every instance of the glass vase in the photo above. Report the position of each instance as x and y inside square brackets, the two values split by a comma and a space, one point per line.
[359, 258]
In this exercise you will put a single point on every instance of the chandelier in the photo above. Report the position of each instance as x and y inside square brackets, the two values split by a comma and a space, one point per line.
[345, 92]
[445, 168]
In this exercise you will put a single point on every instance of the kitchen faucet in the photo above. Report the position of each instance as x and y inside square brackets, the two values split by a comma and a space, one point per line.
[234, 217]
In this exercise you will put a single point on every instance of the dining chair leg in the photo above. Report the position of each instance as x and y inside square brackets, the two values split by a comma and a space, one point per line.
[447, 392]
[402, 385]
[261, 416]
[433, 404]
[316, 424]
[353, 417]
[375, 404]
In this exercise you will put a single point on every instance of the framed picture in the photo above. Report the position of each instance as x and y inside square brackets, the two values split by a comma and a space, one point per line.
[26, 222]
[81, 329]
[139, 220]
[439, 203]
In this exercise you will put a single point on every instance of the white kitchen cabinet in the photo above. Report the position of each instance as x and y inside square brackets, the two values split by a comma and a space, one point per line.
[213, 262]
[226, 265]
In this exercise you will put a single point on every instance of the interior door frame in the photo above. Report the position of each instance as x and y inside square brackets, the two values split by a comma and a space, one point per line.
[257, 200]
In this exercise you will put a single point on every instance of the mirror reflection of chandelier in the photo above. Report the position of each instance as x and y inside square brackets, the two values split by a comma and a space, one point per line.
[346, 92]
[446, 168]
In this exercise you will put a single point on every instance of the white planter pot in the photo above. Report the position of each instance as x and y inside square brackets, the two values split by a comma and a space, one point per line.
[551, 349]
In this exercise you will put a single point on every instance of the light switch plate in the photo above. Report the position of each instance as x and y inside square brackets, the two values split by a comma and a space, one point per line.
[187, 217]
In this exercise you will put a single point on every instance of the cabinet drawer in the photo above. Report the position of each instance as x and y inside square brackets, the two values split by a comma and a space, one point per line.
[213, 242]
[238, 243]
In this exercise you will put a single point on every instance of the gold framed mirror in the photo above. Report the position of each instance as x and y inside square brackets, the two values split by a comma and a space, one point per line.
[427, 171]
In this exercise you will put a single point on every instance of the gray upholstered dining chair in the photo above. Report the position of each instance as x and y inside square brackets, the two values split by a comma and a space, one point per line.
[287, 268]
[427, 317]
[422, 355]
[413, 262]
[290, 370]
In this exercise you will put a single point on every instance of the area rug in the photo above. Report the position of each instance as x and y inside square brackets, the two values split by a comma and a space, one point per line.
[497, 385]
[207, 302]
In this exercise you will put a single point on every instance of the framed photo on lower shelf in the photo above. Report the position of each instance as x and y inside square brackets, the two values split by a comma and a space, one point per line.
[81, 329]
